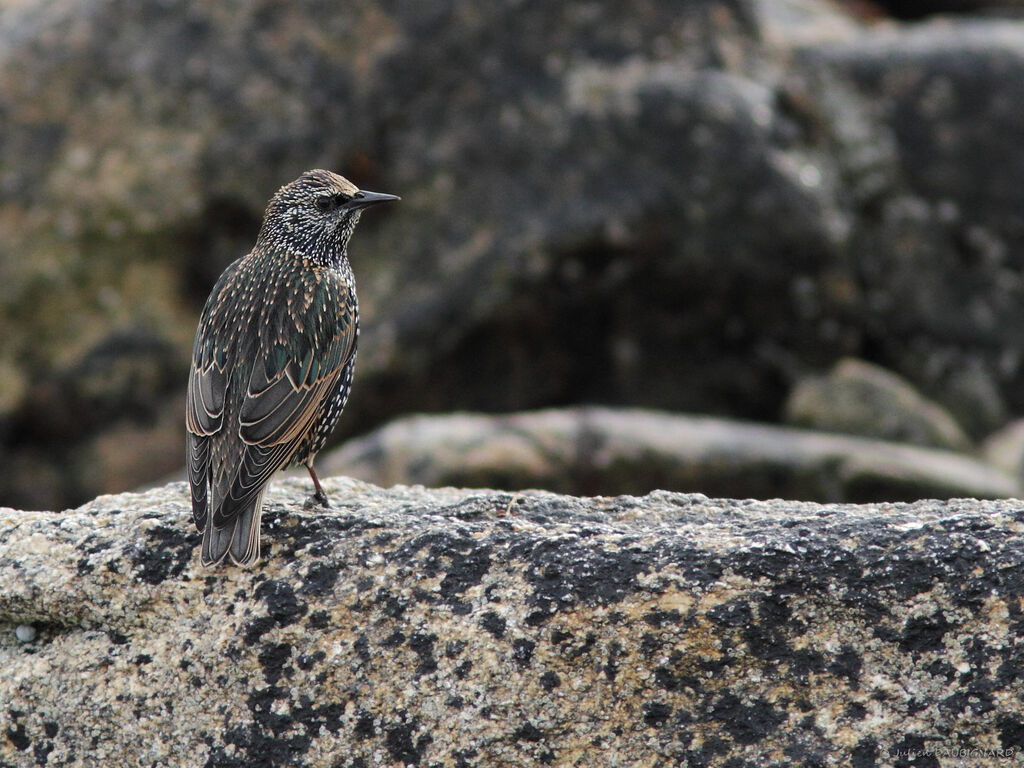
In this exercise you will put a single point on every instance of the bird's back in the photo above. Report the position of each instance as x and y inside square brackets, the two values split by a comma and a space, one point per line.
[273, 359]
[278, 324]
[223, 355]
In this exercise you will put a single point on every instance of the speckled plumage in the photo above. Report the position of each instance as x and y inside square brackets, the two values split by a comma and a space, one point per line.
[273, 359]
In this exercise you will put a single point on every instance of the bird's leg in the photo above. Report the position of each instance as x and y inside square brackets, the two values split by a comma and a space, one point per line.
[319, 496]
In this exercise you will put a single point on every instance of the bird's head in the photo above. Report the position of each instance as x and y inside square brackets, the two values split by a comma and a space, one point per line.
[315, 215]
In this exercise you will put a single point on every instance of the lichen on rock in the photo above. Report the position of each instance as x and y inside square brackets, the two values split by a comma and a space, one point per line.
[414, 626]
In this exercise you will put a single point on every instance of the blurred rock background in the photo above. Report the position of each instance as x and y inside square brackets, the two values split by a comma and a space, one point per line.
[779, 211]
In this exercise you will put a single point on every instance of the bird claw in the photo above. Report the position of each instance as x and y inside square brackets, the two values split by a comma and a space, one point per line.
[317, 499]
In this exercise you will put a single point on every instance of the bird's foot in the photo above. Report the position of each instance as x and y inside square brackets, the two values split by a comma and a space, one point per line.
[317, 499]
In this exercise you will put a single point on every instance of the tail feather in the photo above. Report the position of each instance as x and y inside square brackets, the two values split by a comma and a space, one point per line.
[239, 539]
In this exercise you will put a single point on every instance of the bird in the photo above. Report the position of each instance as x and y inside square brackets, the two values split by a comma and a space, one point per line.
[273, 359]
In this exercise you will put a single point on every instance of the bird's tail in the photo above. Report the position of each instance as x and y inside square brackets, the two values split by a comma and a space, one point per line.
[239, 539]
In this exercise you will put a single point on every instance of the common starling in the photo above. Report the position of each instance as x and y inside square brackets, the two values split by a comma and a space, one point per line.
[272, 360]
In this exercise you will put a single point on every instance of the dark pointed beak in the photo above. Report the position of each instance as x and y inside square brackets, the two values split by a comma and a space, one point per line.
[364, 198]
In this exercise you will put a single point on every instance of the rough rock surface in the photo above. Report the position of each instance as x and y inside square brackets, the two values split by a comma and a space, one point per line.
[686, 207]
[478, 628]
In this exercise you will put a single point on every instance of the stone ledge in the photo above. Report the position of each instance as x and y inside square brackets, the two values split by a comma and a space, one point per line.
[595, 450]
[471, 627]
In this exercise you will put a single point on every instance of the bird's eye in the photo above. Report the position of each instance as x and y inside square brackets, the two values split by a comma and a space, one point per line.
[328, 203]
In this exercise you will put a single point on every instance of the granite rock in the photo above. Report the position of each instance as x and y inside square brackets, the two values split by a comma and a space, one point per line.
[1005, 448]
[936, 224]
[479, 628]
[859, 398]
[686, 208]
[597, 450]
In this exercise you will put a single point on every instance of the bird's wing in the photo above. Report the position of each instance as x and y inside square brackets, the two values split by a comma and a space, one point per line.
[296, 370]
[207, 386]
[208, 380]
[197, 449]
[204, 417]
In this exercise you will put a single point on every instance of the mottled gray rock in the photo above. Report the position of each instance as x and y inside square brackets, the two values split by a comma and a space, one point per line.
[456, 627]
[609, 451]
[936, 231]
[142, 140]
[1005, 449]
[859, 398]
[678, 206]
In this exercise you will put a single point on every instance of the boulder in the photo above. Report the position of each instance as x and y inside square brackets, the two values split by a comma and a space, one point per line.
[859, 398]
[685, 208]
[141, 142]
[1005, 448]
[609, 451]
[412, 626]
[935, 233]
